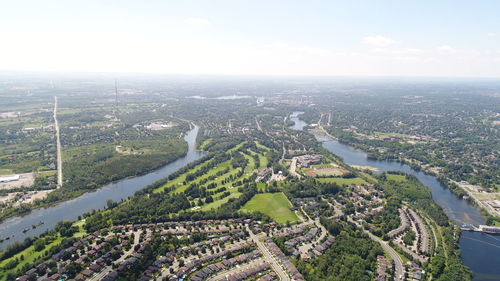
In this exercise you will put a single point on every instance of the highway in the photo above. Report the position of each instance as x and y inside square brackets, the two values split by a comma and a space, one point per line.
[58, 144]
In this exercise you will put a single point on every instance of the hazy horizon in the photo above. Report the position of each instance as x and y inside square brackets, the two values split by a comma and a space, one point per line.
[256, 38]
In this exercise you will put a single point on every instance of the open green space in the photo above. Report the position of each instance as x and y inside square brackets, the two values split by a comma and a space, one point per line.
[222, 175]
[275, 205]
[367, 177]
[342, 181]
[396, 178]
[5, 171]
[29, 255]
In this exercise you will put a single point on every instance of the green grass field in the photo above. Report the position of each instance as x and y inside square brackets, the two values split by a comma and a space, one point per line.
[227, 179]
[205, 143]
[342, 181]
[396, 178]
[368, 177]
[30, 254]
[275, 205]
[5, 171]
[326, 171]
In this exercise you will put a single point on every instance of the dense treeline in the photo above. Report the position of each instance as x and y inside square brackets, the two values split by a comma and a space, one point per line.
[446, 263]
[311, 188]
[454, 131]
[168, 206]
[352, 256]
[388, 219]
[64, 231]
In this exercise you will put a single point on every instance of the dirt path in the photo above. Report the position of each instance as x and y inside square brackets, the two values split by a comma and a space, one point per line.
[293, 168]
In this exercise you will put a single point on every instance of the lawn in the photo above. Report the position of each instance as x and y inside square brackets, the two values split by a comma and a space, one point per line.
[326, 172]
[5, 171]
[342, 181]
[396, 178]
[275, 205]
[368, 177]
[30, 254]
[205, 143]
[178, 181]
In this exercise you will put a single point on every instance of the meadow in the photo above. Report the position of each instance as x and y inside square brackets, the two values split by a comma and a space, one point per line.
[275, 205]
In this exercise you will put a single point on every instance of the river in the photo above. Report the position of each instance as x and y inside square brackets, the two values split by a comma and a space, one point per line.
[480, 251]
[70, 210]
[298, 124]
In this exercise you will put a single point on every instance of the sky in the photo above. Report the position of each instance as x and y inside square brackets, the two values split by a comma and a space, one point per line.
[429, 38]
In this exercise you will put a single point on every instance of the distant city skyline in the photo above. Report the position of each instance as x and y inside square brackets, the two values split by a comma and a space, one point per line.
[237, 37]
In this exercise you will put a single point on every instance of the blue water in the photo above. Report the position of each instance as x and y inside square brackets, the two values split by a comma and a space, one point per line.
[70, 210]
[299, 124]
[480, 251]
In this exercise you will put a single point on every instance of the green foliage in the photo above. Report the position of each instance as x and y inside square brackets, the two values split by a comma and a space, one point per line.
[350, 257]
[409, 237]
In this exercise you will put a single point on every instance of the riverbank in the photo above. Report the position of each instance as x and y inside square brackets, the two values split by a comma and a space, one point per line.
[27, 208]
[492, 217]
[479, 251]
[71, 209]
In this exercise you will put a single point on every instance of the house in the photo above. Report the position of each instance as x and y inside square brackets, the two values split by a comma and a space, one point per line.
[87, 273]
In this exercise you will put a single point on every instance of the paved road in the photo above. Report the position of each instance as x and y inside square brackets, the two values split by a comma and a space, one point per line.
[106, 270]
[58, 143]
[283, 276]
[236, 269]
[258, 125]
[395, 256]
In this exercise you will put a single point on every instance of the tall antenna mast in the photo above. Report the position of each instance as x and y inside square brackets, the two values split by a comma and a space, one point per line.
[115, 110]
[116, 94]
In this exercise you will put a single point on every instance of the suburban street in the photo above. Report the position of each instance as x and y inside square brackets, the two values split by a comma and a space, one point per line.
[106, 270]
[236, 269]
[283, 276]
[395, 256]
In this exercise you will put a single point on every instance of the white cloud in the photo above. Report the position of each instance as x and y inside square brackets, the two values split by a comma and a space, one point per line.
[414, 51]
[498, 52]
[197, 21]
[492, 34]
[444, 48]
[379, 41]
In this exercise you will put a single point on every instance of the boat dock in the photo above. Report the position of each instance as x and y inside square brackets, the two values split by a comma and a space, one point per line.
[482, 228]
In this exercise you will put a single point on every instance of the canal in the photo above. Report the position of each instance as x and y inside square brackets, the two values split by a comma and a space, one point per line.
[70, 210]
[480, 251]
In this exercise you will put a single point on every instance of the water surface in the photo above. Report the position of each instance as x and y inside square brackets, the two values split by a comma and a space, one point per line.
[70, 210]
[299, 124]
[480, 251]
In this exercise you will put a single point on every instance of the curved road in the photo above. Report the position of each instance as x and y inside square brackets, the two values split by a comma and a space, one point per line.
[395, 256]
